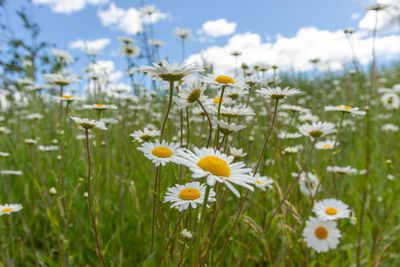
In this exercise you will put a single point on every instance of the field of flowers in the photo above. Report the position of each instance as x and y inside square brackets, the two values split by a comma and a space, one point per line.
[196, 168]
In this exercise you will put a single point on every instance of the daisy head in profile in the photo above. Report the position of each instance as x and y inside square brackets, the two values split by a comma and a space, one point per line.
[160, 153]
[181, 196]
[8, 208]
[263, 182]
[321, 235]
[317, 129]
[88, 124]
[277, 92]
[217, 167]
[144, 135]
[170, 72]
[331, 209]
[346, 109]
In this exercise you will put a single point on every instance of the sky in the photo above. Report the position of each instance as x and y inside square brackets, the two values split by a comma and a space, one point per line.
[287, 33]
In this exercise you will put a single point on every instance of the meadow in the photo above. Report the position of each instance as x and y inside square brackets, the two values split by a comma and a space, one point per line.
[196, 168]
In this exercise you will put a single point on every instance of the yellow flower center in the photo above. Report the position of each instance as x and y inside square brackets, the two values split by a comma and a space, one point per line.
[7, 210]
[224, 79]
[189, 194]
[345, 107]
[100, 105]
[327, 146]
[258, 182]
[321, 232]
[68, 96]
[331, 211]
[217, 99]
[162, 152]
[215, 165]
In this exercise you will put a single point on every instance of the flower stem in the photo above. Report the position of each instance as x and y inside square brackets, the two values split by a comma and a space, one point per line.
[90, 203]
[200, 228]
[209, 122]
[171, 91]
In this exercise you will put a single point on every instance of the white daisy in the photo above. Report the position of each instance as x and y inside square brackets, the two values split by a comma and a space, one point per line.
[237, 153]
[342, 170]
[191, 93]
[287, 135]
[11, 172]
[390, 101]
[390, 127]
[4, 154]
[67, 98]
[277, 92]
[331, 209]
[160, 153]
[324, 145]
[222, 80]
[88, 124]
[191, 194]
[217, 167]
[308, 183]
[145, 135]
[60, 78]
[317, 129]
[63, 55]
[99, 106]
[168, 72]
[226, 128]
[294, 108]
[182, 33]
[262, 182]
[346, 109]
[47, 148]
[8, 208]
[321, 235]
[233, 112]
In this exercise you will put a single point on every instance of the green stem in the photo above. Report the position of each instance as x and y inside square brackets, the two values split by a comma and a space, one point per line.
[171, 91]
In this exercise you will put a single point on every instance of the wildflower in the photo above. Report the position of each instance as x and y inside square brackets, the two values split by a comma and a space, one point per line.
[237, 153]
[262, 182]
[308, 183]
[60, 78]
[145, 135]
[63, 55]
[47, 148]
[160, 153]
[287, 135]
[317, 129]
[88, 124]
[67, 98]
[325, 145]
[292, 150]
[346, 109]
[129, 50]
[233, 112]
[8, 208]
[4, 154]
[390, 101]
[108, 121]
[30, 141]
[53, 191]
[191, 194]
[331, 209]
[321, 235]
[294, 108]
[217, 167]
[99, 106]
[278, 93]
[182, 33]
[390, 127]
[186, 234]
[190, 94]
[11, 172]
[222, 80]
[342, 170]
[170, 73]
[226, 128]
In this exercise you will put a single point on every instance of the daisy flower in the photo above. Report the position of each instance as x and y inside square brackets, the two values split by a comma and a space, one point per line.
[67, 98]
[190, 94]
[226, 128]
[317, 129]
[390, 127]
[294, 108]
[237, 153]
[88, 124]
[346, 109]
[144, 135]
[60, 78]
[308, 183]
[321, 235]
[342, 170]
[99, 106]
[160, 153]
[222, 80]
[235, 92]
[233, 112]
[4, 154]
[47, 148]
[182, 33]
[278, 93]
[324, 145]
[63, 55]
[8, 208]
[217, 167]
[171, 73]
[11, 172]
[292, 150]
[390, 101]
[191, 194]
[262, 182]
[331, 209]
[287, 135]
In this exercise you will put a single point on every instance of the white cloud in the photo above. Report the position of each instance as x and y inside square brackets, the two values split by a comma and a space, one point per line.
[295, 52]
[217, 28]
[130, 20]
[355, 16]
[388, 19]
[96, 45]
[68, 6]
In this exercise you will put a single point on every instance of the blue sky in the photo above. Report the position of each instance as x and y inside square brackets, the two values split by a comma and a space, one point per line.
[260, 21]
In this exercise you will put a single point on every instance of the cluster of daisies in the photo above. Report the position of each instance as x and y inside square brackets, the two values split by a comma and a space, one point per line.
[321, 232]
